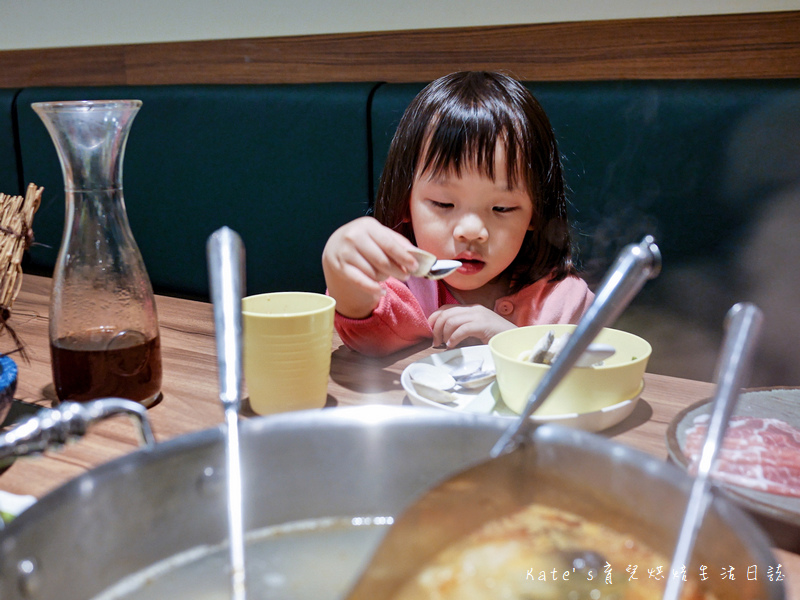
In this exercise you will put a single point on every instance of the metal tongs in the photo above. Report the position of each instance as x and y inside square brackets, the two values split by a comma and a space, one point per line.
[743, 324]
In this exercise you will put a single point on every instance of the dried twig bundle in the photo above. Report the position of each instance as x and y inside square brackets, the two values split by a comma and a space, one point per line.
[16, 235]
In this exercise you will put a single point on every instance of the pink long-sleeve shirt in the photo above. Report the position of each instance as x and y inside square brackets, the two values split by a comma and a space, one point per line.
[401, 317]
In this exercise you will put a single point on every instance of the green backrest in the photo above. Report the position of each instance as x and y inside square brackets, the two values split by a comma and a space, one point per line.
[9, 178]
[711, 168]
[708, 167]
[283, 165]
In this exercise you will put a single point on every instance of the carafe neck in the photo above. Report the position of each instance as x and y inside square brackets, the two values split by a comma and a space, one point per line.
[90, 138]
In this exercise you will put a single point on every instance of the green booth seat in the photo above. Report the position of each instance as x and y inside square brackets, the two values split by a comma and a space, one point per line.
[704, 166]
[283, 165]
[641, 156]
[9, 169]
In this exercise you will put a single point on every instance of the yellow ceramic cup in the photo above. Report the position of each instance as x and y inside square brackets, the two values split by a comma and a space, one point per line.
[287, 350]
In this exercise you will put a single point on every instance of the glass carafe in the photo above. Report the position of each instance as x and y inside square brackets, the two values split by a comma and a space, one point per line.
[104, 337]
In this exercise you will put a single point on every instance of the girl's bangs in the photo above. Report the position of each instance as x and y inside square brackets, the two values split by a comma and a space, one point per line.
[468, 140]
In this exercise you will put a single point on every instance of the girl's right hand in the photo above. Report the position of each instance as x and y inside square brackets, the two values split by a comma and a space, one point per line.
[357, 257]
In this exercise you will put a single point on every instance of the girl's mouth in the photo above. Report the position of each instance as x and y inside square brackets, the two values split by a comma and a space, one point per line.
[470, 266]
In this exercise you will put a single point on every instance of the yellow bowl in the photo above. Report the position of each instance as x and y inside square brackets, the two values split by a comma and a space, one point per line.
[583, 389]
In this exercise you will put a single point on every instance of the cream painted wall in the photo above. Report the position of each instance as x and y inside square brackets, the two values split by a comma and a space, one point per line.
[44, 23]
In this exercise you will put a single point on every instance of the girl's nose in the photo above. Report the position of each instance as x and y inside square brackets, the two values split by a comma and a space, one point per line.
[471, 228]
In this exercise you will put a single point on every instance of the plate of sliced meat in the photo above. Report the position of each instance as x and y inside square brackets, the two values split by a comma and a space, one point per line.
[759, 461]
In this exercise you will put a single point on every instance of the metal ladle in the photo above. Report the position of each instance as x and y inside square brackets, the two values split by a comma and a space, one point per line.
[451, 509]
[743, 323]
[635, 265]
[225, 254]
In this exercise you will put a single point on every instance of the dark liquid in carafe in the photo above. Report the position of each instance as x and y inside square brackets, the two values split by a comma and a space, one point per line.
[104, 364]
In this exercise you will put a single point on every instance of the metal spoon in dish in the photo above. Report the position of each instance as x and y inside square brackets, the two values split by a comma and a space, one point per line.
[743, 324]
[594, 354]
[225, 255]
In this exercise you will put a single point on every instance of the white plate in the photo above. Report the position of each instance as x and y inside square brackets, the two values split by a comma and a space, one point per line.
[488, 400]
[780, 403]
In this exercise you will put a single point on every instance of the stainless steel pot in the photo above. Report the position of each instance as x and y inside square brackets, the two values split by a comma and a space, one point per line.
[159, 501]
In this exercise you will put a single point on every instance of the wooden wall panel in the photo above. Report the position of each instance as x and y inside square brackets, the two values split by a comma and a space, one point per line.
[97, 65]
[760, 45]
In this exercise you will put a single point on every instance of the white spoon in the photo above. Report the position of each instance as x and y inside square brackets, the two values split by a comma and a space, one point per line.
[436, 383]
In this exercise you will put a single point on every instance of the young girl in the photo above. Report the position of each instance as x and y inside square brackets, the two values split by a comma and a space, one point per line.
[473, 174]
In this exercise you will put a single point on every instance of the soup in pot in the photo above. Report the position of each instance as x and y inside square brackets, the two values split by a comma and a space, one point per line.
[538, 553]
[544, 553]
[314, 559]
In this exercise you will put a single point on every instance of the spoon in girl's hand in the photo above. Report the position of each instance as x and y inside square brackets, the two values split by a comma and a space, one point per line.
[443, 268]
[430, 268]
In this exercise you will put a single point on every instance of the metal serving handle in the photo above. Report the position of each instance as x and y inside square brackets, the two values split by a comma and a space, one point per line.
[225, 253]
[743, 324]
[53, 428]
[636, 264]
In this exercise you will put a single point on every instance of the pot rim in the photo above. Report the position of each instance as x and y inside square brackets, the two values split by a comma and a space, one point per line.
[545, 437]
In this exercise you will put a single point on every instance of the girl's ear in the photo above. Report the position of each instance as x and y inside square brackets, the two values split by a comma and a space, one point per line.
[535, 219]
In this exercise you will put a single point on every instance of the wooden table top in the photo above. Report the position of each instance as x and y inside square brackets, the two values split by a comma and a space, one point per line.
[191, 399]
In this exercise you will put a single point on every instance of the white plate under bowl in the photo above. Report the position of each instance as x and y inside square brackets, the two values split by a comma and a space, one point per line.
[488, 399]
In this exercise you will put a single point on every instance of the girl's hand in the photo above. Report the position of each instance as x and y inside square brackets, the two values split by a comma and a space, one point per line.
[452, 324]
[357, 257]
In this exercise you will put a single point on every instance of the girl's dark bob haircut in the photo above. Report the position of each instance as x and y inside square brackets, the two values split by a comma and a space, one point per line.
[457, 121]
